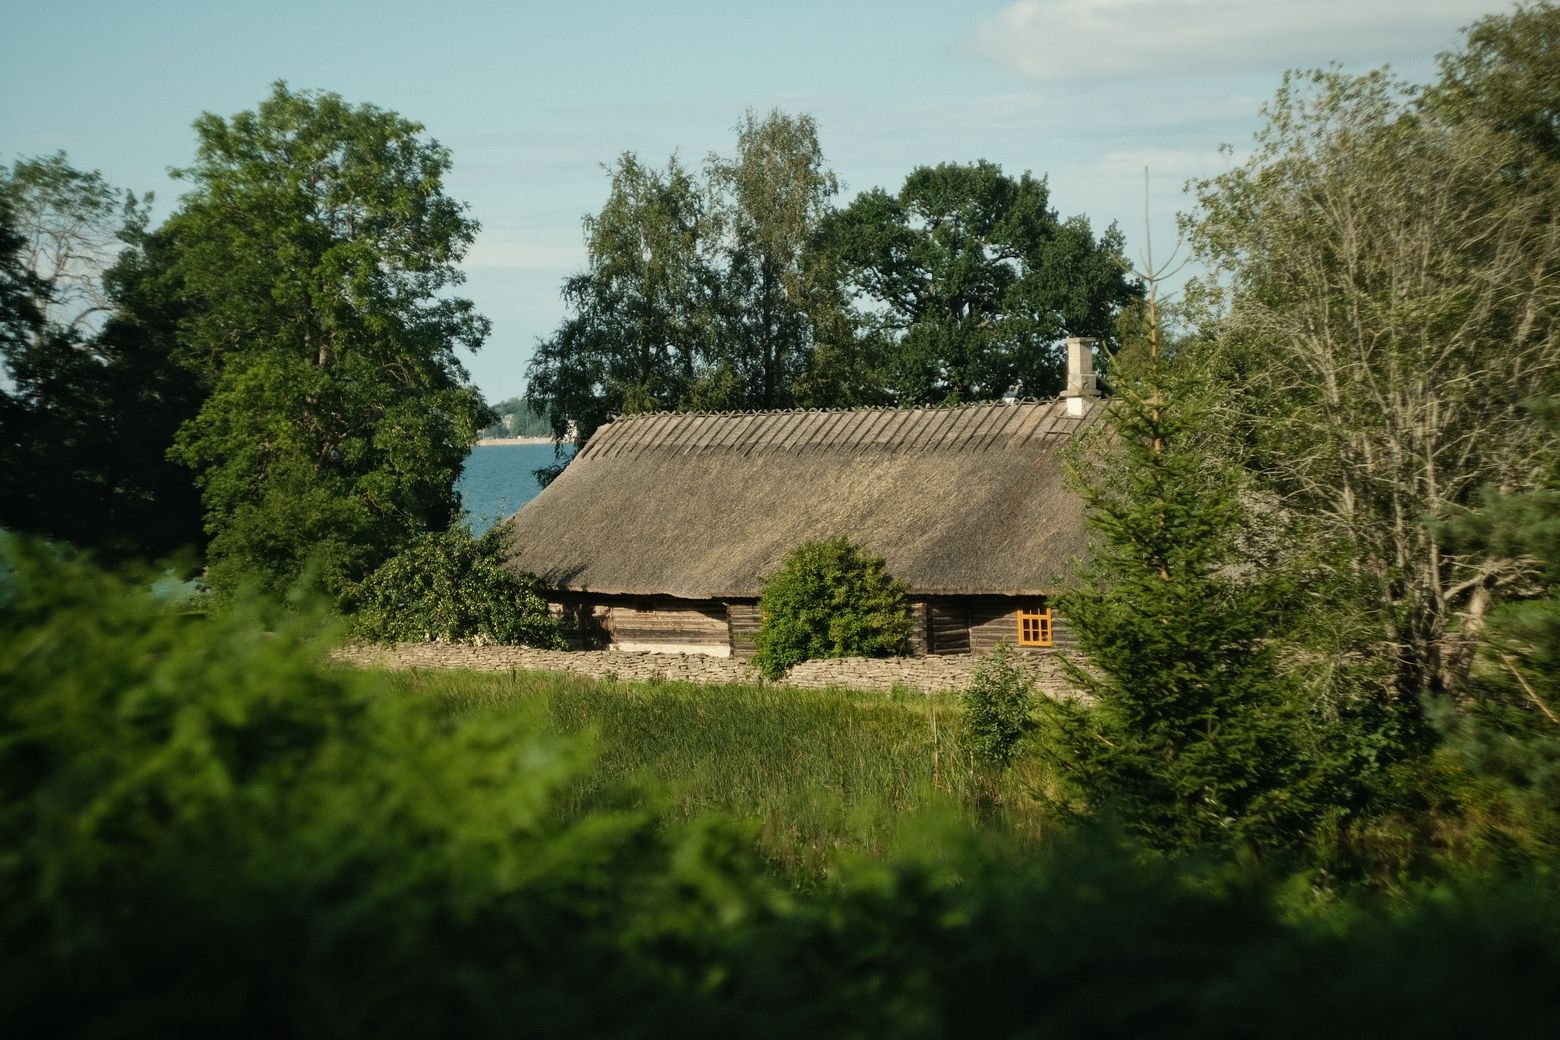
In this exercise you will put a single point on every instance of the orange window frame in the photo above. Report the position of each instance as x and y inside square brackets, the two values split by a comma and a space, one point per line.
[1034, 627]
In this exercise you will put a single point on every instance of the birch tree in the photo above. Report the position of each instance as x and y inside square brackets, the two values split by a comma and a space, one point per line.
[74, 225]
[644, 317]
[1389, 292]
[773, 195]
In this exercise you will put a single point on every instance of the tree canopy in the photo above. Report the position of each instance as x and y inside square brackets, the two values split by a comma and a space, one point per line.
[744, 288]
[974, 281]
[698, 290]
[313, 257]
[95, 395]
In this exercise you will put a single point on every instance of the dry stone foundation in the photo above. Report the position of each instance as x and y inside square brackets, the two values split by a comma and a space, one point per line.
[923, 674]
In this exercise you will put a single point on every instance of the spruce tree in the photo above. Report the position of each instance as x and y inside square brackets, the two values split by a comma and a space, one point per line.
[1189, 732]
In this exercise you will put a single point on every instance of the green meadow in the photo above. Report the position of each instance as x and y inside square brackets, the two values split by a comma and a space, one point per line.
[815, 773]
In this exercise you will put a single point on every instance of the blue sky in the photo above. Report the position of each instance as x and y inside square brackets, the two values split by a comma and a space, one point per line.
[533, 98]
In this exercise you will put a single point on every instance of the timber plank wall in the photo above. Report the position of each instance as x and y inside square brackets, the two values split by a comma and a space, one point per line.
[942, 625]
[976, 624]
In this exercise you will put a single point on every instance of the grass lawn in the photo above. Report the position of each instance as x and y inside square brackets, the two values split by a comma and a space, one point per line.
[816, 773]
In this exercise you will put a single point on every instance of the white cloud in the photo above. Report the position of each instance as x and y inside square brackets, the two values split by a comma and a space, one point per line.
[1062, 39]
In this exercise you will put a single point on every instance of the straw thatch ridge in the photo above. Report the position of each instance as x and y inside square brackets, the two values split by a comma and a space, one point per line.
[960, 501]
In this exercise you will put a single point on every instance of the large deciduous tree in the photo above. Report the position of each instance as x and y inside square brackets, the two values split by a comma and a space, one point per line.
[700, 289]
[313, 258]
[1390, 268]
[74, 225]
[772, 197]
[975, 281]
[93, 396]
[20, 316]
[644, 317]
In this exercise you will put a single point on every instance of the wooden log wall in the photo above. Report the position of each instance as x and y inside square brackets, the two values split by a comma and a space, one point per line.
[944, 625]
[976, 624]
[669, 625]
[993, 621]
[921, 630]
[948, 628]
[642, 623]
[742, 621]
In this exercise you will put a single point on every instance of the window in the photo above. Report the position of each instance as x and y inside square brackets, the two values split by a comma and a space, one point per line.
[1034, 627]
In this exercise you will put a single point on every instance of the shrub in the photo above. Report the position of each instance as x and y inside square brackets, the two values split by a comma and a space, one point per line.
[829, 599]
[205, 832]
[453, 587]
[997, 710]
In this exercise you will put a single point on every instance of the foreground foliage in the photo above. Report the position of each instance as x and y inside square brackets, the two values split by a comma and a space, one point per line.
[830, 599]
[204, 831]
[817, 773]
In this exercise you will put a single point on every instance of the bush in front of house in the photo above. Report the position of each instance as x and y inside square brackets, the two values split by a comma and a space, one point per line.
[830, 599]
[998, 710]
[450, 586]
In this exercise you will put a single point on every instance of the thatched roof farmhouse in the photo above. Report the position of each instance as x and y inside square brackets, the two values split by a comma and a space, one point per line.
[659, 533]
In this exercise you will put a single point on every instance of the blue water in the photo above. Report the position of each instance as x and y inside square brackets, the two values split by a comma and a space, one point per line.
[498, 480]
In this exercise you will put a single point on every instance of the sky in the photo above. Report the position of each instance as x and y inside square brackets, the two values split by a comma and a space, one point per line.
[533, 99]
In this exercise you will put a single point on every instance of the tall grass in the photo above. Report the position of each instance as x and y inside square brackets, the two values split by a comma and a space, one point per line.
[815, 772]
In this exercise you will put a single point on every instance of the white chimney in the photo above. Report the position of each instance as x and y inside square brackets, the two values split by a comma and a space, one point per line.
[1081, 389]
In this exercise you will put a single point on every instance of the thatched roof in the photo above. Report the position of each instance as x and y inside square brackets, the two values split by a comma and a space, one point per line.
[967, 500]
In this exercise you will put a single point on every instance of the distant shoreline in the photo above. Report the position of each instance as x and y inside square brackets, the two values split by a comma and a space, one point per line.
[499, 442]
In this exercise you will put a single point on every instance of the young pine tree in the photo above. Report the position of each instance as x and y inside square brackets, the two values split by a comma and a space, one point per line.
[1189, 736]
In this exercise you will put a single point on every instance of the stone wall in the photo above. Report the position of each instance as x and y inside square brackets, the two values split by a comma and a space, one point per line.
[925, 674]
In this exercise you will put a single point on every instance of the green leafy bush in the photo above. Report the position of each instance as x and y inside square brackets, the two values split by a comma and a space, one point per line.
[205, 832]
[829, 599]
[997, 710]
[453, 587]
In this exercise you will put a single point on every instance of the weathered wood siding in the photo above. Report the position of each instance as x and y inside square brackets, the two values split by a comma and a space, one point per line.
[668, 625]
[921, 628]
[662, 624]
[942, 625]
[948, 627]
[742, 620]
[993, 621]
[976, 624]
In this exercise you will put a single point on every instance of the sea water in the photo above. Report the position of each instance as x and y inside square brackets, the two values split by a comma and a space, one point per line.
[499, 479]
